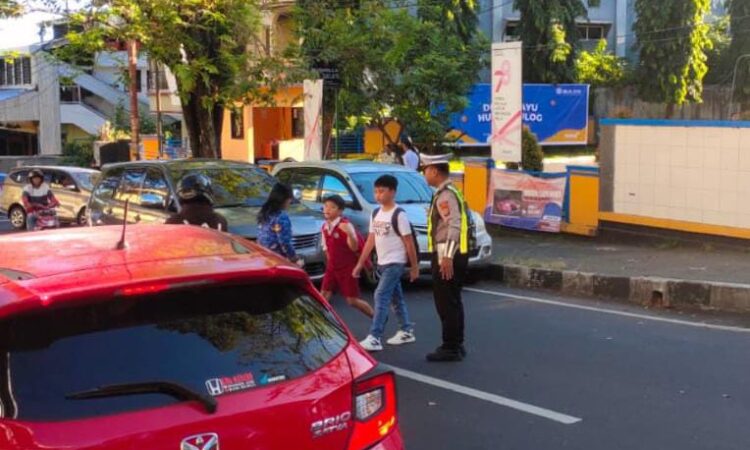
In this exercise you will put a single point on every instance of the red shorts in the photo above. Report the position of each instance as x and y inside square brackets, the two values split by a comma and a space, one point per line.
[341, 281]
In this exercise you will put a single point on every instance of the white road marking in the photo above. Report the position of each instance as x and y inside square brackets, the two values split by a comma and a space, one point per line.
[486, 396]
[612, 311]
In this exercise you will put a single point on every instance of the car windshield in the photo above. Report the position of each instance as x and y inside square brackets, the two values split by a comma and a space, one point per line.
[234, 186]
[211, 341]
[86, 180]
[412, 188]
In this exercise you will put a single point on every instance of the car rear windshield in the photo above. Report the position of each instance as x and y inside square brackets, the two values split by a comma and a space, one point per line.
[234, 186]
[213, 341]
[412, 188]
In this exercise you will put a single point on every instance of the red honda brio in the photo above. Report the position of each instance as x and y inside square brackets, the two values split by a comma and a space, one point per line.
[178, 338]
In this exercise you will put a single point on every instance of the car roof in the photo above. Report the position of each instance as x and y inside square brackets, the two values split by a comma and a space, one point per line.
[73, 169]
[182, 164]
[59, 265]
[349, 166]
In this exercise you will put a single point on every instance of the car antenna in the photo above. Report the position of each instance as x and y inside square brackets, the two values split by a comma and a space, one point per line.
[121, 243]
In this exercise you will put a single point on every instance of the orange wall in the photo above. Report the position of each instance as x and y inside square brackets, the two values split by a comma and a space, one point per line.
[270, 124]
[238, 149]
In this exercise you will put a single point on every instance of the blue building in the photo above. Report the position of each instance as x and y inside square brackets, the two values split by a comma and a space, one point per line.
[611, 20]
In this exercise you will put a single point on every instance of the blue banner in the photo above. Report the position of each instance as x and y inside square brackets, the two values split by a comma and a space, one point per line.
[556, 113]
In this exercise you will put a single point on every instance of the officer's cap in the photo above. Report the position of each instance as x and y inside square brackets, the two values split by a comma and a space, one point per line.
[435, 160]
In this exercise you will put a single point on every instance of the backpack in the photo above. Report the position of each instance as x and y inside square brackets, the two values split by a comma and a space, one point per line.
[394, 226]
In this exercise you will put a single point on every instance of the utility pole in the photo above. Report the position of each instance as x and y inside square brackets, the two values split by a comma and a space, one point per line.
[134, 119]
[159, 124]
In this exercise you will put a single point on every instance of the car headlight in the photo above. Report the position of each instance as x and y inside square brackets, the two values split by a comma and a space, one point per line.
[479, 223]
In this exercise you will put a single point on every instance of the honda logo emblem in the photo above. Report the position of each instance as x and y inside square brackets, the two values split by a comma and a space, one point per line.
[205, 441]
[214, 387]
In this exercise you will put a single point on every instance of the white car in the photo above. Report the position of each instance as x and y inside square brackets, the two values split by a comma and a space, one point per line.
[353, 181]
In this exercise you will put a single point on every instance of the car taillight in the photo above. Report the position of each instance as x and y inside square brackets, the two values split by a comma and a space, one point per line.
[375, 410]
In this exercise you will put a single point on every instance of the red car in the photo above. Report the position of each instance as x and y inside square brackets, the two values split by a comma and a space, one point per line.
[182, 338]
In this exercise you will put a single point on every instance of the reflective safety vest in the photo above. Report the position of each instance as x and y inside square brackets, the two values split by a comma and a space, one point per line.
[464, 244]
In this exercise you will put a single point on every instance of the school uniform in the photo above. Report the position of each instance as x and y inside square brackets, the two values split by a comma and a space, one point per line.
[341, 260]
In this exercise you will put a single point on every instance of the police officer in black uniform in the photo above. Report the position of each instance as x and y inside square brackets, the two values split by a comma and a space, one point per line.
[196, 200]
[449, 225]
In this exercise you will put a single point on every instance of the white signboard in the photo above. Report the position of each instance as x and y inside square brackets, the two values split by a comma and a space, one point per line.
[313, 92]
[507, 84]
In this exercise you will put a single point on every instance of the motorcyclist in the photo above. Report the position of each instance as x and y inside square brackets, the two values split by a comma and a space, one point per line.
[37, 197]
[197, 199]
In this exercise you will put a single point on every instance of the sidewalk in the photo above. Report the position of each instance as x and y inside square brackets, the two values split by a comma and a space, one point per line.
[664, 272]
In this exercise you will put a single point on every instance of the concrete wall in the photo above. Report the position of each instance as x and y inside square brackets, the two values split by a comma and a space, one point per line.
[610, 102]
[686, 174]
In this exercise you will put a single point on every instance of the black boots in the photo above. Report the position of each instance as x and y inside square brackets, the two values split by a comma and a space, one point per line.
[442, 354]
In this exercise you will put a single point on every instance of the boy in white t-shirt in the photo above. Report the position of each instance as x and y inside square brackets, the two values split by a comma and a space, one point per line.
[391, 237]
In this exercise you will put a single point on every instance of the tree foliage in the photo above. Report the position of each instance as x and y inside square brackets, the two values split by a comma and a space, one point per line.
[601, 68]
[672, 38]
[394, 64]
[549, 33]
[10, 8]
[211, 47]
[739, 13]
[532, 156]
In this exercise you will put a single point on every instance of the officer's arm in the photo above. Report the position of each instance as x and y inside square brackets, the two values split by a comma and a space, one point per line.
[450, 211]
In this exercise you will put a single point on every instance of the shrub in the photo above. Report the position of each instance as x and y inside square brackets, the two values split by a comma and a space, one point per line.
[78, 153]
[532, 154]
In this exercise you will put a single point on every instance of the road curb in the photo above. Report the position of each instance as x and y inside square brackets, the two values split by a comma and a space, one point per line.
[651, 291]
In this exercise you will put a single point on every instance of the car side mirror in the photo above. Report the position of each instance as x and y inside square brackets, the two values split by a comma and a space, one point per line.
[352, 205]
[297, 193]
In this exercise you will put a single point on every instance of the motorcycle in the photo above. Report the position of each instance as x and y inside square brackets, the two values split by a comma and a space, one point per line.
[46, 219]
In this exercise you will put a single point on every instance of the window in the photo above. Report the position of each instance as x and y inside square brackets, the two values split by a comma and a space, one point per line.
[237, 119]
[20, 177]
[592, 32]
[70, 93]
[86, 180]
[106, 189]
[233, 186]
[298, 123]
[155, 190]
[511, 32]
[15, 71]
[130, 187]
[412, 188]
[281, 335]
[332, 185]
[306, 182]
[59, 180]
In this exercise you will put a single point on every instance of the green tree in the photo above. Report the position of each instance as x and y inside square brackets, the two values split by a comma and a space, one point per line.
[718, 57]
[209, 45]
[10, 8]
[601, 68]
[532, 156]
[549, 33]
[672, 38]
[394, 64]
[739, 12]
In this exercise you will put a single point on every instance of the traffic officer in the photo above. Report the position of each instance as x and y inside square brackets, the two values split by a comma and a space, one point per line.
[448, 228]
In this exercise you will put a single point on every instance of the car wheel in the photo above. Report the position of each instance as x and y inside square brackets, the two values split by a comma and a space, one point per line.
[82, 220]
[17, 218]
[372, 276]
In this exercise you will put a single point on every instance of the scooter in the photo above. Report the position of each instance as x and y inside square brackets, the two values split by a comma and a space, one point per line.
[46, 219]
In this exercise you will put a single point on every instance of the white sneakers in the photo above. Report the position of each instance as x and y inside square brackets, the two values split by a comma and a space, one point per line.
[373, 344]
[401, 337]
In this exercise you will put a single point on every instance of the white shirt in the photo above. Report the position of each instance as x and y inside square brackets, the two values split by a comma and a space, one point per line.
[389, 245]
[411, 159]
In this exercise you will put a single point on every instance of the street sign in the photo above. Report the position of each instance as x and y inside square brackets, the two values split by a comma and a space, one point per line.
[330, 76]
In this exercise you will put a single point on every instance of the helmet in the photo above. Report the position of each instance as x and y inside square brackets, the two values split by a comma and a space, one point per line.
[36, 173]
[195, 187]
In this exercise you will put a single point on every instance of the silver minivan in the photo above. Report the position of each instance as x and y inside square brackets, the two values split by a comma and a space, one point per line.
[354, 182]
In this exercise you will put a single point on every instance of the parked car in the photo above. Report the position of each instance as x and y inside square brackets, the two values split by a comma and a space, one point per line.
[240, 190]
[3, 176]
[353, 180]
[71, 185]
[184, 338]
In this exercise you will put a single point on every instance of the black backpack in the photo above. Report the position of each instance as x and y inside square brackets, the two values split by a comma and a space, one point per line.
[394, 226]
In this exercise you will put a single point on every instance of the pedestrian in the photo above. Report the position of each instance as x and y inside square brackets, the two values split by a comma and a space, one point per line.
[392, 238]
[342, 245]
[388, 155]
[196, 196]
[448, 228]
[410, 157]
[274, 226]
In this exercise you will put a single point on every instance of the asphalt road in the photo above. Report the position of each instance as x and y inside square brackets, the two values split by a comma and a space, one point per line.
[4, 226]
[545, 373]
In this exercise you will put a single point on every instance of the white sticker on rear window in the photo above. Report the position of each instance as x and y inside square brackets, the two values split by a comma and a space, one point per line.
[227, 385]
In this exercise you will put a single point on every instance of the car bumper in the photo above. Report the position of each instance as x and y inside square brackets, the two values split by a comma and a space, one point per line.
[393, 441]
[314, 262]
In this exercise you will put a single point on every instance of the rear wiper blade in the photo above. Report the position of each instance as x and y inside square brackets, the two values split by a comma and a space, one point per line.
[175, 390]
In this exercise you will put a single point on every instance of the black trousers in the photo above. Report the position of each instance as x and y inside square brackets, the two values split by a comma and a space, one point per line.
[447, 294]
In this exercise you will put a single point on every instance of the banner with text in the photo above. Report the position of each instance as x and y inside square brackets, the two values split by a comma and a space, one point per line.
[556, 114]
[507, 76]
[522, 200]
